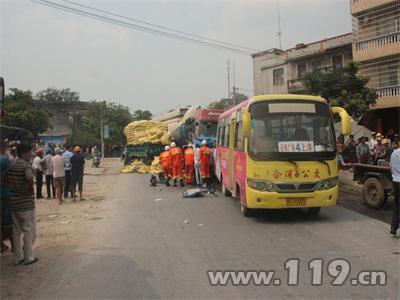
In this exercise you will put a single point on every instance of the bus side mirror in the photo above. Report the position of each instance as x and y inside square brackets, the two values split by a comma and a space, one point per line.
[246, 122]
[345, 118]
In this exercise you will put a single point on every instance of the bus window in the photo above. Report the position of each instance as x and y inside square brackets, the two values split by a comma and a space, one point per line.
[239, 137]
[226, 138]
[222, 134]
[271, 129]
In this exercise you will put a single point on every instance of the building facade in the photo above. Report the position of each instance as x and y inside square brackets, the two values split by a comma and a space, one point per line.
[376, 46]
[279, 71]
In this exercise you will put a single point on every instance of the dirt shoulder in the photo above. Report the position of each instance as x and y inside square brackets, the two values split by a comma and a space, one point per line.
[59, 227]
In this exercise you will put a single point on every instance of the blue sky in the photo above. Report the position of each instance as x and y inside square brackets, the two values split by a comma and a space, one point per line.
[42, 47]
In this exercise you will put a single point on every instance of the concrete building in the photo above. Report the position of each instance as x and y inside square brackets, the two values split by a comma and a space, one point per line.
[279, 71]
[376, 46]
[65, 119]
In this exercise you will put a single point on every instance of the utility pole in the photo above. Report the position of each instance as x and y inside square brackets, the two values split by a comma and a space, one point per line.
[229, 80]
[279, 28]
[233, 76]
[101, 130]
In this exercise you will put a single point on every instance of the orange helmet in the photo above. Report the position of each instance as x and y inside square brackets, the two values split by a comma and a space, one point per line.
[77, 149]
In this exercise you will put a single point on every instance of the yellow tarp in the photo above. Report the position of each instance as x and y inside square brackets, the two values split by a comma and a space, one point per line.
[146, 132]
[138, 166]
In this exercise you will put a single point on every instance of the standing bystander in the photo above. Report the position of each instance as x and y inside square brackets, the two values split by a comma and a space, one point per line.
[362, 150]
[48, 162]
[351, 149]
[77, 169]
[6, 220]
[395, 168]
[67, 158]
[58, 174]
[22, 202]
[37, 167]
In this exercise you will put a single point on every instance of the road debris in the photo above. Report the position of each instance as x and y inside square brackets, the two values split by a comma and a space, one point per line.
[197, 192]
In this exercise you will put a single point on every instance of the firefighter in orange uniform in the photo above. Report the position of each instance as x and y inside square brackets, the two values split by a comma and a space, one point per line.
[176, 163]
[204, 160]
[189, 163]
[165, 160]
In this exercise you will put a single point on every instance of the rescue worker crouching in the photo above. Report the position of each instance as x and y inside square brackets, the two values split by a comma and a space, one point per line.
[176, 163]
[165, 160]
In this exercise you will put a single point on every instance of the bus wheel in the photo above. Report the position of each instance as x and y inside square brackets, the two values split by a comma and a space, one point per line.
[313, 211]
[247, 212]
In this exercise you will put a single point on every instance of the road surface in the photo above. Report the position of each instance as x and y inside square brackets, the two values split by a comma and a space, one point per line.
[151, 243]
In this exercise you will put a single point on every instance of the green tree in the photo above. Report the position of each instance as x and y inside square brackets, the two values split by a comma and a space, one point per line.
[342, 87]
[55, 95]
[116, 116]
[142, 115]
[219, 105]
[21, 110]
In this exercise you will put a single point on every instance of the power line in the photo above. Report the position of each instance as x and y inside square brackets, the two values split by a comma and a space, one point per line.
[137, 27]
[160, 27]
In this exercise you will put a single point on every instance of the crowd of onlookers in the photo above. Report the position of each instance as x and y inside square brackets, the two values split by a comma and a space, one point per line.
[375, 150]
[23, 167]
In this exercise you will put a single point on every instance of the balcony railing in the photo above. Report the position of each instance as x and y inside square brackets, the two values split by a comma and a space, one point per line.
[378, 42]
[391, 91]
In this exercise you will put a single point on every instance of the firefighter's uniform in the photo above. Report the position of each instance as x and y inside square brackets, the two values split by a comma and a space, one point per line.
[176, 163]
[204, 161]
[189, 164]
[165, 161]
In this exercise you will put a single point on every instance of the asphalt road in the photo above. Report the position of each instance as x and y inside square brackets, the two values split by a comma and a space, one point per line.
[152, 243]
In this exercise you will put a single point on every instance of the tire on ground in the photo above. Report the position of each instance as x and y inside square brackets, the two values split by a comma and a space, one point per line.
[374, 193]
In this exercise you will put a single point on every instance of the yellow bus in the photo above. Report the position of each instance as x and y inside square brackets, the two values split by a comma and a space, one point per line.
[279, 151]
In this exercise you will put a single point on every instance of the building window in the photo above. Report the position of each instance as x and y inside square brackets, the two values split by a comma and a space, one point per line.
[337, 61]
[278, 76]
[389, 76]
[301, 69]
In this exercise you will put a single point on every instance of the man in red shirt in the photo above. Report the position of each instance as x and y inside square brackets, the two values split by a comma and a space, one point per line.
[176, 163]
[189, 163]
[165, 160]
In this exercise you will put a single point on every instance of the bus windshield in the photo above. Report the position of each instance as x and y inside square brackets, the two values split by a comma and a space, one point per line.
[291, 131]
[208, 129]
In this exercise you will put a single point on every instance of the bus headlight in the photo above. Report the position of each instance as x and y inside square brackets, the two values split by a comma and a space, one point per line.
[326, 184]
[261, 185]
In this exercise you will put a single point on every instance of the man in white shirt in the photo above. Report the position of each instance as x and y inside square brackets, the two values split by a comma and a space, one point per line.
[395, 168]
[48, 162]
[59, 174]
[38, 171]
[67, 158]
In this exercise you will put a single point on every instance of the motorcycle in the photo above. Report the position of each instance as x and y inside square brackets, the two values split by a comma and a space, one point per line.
[96, 161]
